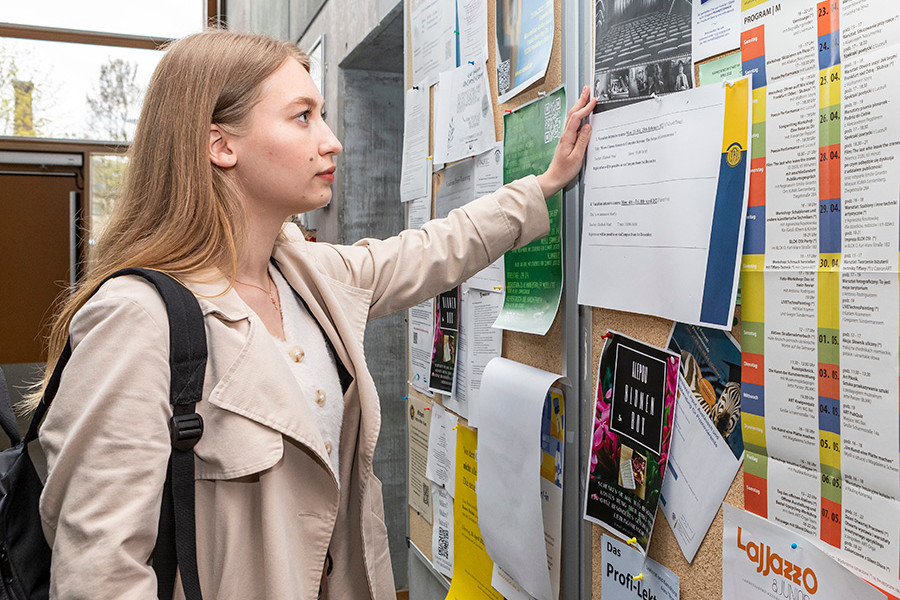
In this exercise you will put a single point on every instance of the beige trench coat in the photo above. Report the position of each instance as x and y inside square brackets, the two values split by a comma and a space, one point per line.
[268, 507]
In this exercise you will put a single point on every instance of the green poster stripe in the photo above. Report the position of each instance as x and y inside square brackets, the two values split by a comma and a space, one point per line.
[830, 125]
[755, 462]
[831, 483]
[758, 140]
[753, 337]
[829, 346]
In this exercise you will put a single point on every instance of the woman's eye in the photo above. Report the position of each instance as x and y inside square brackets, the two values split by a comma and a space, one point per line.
[324, 115]
[303, 117]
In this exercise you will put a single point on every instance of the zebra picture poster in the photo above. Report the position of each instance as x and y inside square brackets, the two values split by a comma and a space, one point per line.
[711, 365]
[634, 411]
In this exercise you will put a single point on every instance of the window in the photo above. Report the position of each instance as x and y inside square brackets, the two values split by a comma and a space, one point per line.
[106, 176]
[80, 69]
[160, 18]
[66, 90]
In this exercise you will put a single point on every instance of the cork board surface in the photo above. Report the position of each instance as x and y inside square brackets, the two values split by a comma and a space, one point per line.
[543, 352]
[701, 579]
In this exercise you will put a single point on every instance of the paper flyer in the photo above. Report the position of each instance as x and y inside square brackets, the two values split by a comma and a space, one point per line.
[419, 491]
[635, 407]
[433, 43]
[421, 344]
[764, 561]
[479, 343]
[472, 567]
[715, 27]
[628, 574]
[524, 43]
[521, 424]
[472, 18]
[700, 472]
[414, 170]
[641, 49]
[460, 183]
[711, 365]
[717, 70]
[446, 333]
[665, 196]
[419, 211]
[464, 114]
[442, 531]
[442, 448]
[533, 273]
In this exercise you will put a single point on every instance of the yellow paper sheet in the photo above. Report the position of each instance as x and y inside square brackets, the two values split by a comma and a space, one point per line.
[472, 567]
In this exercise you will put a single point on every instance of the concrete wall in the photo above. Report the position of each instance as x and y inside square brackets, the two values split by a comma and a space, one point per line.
[363, 45]
[368, 104]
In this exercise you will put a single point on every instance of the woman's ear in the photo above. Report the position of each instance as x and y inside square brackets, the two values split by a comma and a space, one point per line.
[221, 151]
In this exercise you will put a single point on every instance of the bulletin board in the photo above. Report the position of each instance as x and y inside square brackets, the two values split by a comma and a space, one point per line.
[573, 345]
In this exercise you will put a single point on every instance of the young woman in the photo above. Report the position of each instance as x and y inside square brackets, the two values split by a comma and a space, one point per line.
[231, 141]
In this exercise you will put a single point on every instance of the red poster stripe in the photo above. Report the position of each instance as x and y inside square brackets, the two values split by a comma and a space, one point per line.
[755, 494]
[831, 528]
[753, 368]
[757, 182]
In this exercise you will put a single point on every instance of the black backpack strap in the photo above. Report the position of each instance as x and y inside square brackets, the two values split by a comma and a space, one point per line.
[7, 418]
[176, 545]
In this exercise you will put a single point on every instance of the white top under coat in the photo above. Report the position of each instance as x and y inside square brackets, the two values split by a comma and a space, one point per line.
[313, 365]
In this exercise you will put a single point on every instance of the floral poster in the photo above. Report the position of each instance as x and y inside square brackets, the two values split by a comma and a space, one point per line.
[446, 334]
[633, 416]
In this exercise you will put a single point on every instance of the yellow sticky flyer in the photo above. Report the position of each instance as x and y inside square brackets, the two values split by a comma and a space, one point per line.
[472, 567]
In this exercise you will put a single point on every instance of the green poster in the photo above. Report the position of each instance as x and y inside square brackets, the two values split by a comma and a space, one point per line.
[533, 273]
[725, 68]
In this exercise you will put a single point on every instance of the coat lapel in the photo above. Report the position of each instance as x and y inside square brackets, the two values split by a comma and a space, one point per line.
[249, 377]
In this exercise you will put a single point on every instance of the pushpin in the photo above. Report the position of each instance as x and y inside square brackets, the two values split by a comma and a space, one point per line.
[456, 31]
[794, 546]
[405, 397]
[427, 408]
[454, 427]
[542, 93]
[606, 336]
[632, 542]
[471, 62]
[428, 157]
[508, 110]
[639, 576]
[498, 287]
[415, 87]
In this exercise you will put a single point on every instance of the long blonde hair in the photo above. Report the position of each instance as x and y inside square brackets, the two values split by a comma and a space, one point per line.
[177, 212]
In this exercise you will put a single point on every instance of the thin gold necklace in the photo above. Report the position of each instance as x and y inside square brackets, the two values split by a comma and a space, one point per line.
[271, 292]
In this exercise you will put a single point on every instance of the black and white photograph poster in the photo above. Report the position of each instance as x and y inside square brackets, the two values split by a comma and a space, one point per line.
[643, 49]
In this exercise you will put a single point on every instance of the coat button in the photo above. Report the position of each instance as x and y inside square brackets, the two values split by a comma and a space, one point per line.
[296, 353]
[320, 397]
[328, 447]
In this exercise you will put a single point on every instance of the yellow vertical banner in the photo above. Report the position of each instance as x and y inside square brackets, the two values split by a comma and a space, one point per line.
[472, 567]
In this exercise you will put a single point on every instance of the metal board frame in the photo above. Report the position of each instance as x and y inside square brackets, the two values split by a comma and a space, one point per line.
[577, 35]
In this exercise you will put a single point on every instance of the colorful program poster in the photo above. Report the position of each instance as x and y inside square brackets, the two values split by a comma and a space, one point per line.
[533, 273]
[636, 390]
[820, 279]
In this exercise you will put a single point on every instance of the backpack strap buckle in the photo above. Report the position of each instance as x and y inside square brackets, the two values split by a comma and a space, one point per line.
[186, 431]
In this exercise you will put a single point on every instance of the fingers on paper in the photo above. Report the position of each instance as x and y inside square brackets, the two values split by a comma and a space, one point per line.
[584, 136]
